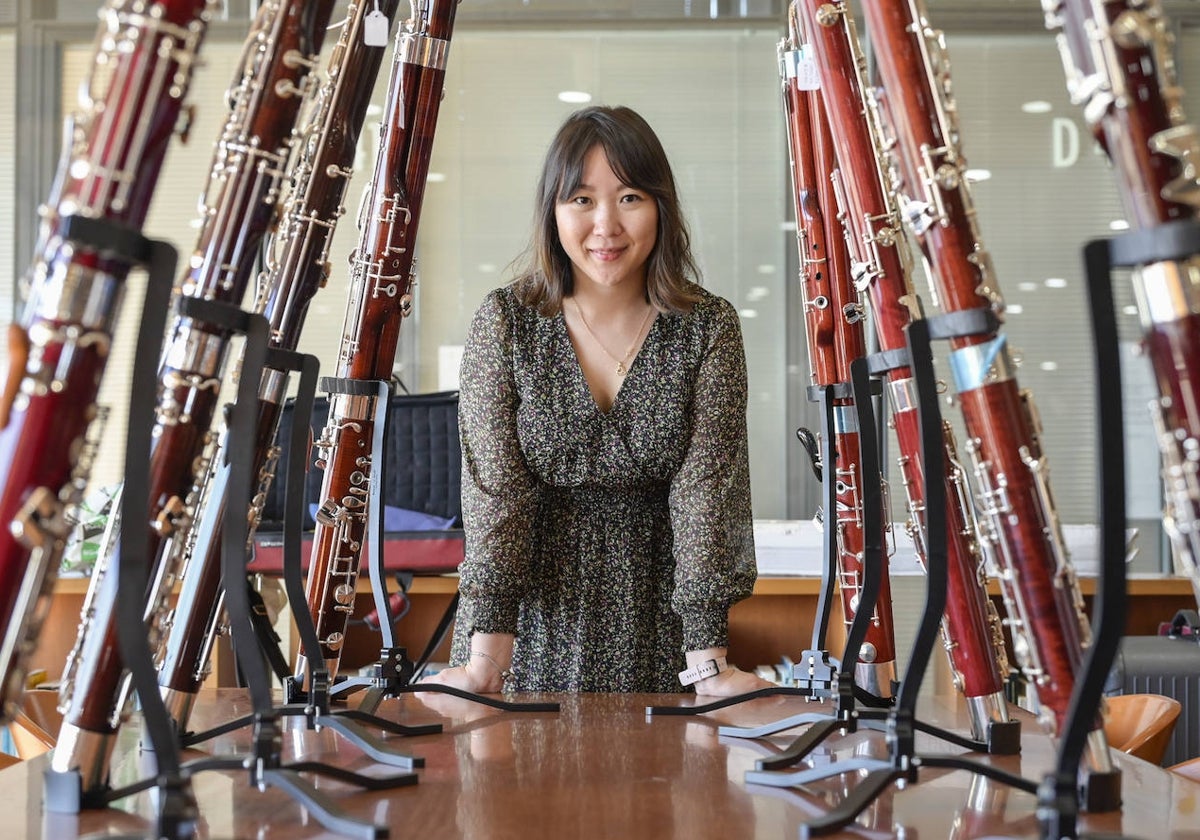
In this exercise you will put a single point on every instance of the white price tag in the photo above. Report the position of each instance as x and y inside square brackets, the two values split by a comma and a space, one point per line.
[807, 76]
[799, 66]
[804, 69]
[375, 28]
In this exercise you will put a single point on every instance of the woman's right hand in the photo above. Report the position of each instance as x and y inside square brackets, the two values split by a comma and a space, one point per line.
[478, 676]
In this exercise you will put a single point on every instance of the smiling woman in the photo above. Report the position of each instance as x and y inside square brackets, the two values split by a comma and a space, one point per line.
[606, 509]
[608, 229]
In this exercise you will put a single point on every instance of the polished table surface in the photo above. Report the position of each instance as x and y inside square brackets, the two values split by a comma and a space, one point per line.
[598, 768]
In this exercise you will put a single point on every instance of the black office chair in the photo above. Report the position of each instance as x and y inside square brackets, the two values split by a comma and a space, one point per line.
[421, 497]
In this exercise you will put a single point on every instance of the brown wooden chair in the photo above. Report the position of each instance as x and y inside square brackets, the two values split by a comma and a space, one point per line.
[1141, 724]
[40, 705]
[1189, 769]
[29, 738]
[34, 722]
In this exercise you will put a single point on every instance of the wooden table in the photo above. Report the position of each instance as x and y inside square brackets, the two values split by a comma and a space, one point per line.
[600, 768]
[775, 621]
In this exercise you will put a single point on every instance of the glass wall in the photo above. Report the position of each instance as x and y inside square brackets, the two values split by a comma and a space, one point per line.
[713, 103]
[711, 90]
[8, 169]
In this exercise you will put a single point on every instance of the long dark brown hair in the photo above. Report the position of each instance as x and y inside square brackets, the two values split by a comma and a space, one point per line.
[639, 161]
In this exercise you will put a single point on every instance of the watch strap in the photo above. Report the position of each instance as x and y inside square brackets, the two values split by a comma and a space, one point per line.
[704, 670]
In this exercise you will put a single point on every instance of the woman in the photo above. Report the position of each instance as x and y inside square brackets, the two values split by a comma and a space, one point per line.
[606, 494]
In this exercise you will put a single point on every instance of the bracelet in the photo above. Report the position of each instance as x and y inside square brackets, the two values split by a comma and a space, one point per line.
[506, 674]
[704, 670]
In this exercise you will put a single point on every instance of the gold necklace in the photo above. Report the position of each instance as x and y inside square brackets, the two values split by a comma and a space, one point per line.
[622, 366]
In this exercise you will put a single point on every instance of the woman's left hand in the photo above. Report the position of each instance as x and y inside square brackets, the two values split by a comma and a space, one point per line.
[730, 683]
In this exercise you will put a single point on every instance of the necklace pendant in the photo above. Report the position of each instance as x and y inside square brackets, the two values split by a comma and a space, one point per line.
[621, 369]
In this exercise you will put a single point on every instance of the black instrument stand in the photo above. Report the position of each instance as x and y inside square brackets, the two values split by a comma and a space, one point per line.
[904, 762]
[394, 673]
[844, 715]
[316, 709]
[1003, 738]
[816, 674]
[177, 810]
[265, 763]
[1058, 805]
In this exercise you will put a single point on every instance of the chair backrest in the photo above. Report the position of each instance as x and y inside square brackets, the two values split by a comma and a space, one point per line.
[1188, 769]
[31, 724]
[1141, 724]
[423, 464]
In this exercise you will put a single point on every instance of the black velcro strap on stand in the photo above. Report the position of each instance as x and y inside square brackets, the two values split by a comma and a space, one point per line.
[1175, 240]
[109, 238]
[965, 322]
[886, 360]
[841, 390]
[962, 323]
[353, 387]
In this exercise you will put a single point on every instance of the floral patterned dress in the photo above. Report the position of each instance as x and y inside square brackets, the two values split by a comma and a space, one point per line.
[608, 542]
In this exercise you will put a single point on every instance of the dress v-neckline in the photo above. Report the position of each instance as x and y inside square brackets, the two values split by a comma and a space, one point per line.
[629, 372]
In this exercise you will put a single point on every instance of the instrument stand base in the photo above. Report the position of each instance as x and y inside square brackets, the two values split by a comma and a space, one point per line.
[268, 770]
[1058, 805]
[902, 766]
[352, 728]
[1003, 737]
[178, 813]
[725, 702]
[391, 676]
[1101, 792]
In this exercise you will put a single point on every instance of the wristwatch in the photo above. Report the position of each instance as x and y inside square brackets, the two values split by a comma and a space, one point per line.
[709, 668]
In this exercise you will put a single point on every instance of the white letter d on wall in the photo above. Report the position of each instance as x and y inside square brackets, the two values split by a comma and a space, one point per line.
[1064, 135]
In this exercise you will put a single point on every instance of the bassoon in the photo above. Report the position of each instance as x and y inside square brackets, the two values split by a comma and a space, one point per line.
[381, 279]
[114, 145]
[237, 209]
[835, 333]
[1019, 532]
[882, 265]
[297, 266]
[1119, 61]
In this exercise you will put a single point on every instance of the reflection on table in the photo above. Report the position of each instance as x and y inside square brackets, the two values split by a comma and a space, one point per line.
[601, 768]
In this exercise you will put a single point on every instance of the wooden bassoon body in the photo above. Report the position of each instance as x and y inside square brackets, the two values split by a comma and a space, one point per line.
[1120, 67]
[1020, 531]
[115, 142]
[238, 208]
[882, 266]
[381, 281]
[835, 331]
[297, 267]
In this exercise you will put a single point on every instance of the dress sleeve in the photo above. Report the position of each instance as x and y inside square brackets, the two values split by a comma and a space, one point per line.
[710, 494]
[499, 494]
